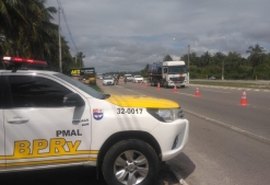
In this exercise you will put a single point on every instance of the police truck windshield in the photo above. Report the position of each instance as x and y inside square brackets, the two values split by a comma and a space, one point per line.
[86, 88]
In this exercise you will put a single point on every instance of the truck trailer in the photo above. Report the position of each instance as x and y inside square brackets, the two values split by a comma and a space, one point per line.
[168, 74]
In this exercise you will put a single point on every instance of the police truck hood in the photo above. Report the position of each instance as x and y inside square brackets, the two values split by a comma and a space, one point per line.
[141, 101]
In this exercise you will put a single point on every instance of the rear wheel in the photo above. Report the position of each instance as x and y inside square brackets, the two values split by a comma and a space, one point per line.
[130, 162]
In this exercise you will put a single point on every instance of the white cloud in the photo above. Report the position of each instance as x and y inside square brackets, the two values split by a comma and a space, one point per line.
[118, 35]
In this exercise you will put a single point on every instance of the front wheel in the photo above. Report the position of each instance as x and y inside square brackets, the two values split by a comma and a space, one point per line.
[130, 162]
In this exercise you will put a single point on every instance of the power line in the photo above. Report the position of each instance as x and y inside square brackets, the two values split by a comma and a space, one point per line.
[67, 26]
[59, 38]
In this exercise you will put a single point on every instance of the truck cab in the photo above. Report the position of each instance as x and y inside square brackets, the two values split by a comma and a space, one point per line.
[168, 74]
[174, 73]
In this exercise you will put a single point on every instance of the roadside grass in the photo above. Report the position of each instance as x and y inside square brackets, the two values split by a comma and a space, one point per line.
[238, 84]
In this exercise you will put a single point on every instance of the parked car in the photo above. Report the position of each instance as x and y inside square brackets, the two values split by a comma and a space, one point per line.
[108, 80]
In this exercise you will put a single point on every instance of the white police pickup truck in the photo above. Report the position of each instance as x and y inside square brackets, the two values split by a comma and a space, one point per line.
[50, 120]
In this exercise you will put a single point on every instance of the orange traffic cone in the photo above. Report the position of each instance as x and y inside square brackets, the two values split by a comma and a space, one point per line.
[197, 92]
[158, 86]
[174, 89]
[243, 100]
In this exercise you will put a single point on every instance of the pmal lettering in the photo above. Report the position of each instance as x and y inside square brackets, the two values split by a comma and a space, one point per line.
[66, 133]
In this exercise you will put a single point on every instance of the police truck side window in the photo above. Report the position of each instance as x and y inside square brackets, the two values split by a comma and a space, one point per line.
[29, 91]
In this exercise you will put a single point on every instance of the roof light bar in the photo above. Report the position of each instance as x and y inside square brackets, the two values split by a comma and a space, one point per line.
[18, 60]
[15, 63]
[6, 58]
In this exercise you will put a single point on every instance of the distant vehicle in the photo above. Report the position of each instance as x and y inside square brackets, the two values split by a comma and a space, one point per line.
[108, 80]
[128, 77]
[212, 78]
[168, 74]
[137, 79]
[86, 75]
[89, 75]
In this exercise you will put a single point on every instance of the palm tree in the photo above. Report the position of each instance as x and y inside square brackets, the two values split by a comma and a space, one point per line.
[27, 30]
[10, 17]
[80, 56]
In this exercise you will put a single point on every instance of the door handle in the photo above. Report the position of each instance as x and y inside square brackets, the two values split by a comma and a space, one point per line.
[18, 120]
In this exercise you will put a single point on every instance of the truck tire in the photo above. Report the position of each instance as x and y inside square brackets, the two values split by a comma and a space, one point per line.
[130, 162]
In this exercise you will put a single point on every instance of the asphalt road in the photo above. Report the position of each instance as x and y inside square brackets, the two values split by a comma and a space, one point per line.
[72, 176]
[229, 144]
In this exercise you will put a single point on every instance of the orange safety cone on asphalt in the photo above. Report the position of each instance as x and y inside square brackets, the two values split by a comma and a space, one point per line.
[158, 86]
[174, 89]
[197, 92]
[243, 100]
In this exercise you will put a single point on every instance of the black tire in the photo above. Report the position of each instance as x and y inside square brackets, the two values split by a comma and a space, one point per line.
[143, 173]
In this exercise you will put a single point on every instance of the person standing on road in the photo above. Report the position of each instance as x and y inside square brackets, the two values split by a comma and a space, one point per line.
[117, 79]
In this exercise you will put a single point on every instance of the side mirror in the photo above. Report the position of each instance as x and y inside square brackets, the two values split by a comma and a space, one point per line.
[105, 96]
[73, 99]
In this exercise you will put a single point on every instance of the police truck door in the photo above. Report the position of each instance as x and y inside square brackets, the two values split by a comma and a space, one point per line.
[2, 148]
[41, 130]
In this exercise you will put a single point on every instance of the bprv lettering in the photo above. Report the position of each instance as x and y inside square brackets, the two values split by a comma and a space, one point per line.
[39, 147]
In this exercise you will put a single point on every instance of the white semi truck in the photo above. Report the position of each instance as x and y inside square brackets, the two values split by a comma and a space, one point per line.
[168, 74]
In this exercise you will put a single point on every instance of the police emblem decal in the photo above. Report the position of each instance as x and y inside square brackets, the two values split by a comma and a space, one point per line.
[97, 114]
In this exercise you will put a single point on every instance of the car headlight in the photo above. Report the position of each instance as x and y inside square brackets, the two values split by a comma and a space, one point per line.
[166, 115]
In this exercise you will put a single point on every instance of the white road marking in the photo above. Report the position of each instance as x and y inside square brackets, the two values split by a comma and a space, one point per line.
[230, 126]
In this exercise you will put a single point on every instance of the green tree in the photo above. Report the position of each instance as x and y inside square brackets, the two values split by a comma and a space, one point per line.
[80, 56]
[205, 59]
[26, 26]
[263, 70]
[256, 54]
[144, 72]
[217, 65]
[167, 58]
[27, 30]
[232, 64]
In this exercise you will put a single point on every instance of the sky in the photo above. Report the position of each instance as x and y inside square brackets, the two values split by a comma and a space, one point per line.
[126, 35]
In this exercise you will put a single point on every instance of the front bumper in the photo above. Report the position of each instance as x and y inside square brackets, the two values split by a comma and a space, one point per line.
[172, 137]
[108, 83]
[177, 84]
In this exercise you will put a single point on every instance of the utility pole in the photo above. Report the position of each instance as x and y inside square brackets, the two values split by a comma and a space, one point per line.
[59, 39]
[188, 54]
[188, 63]
[222, 70]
